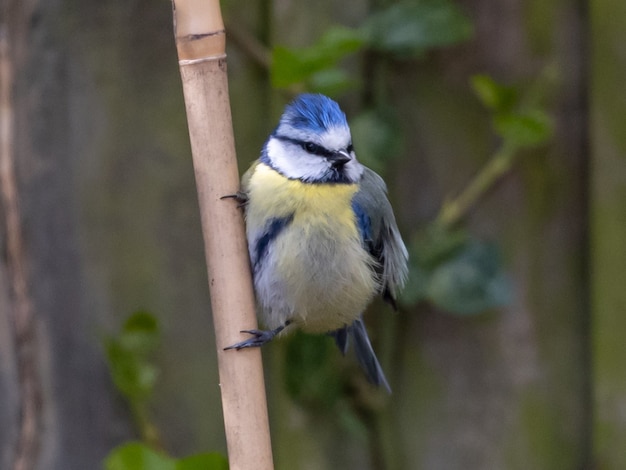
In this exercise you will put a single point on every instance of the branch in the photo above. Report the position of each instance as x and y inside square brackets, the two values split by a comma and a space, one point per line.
[452, 211]
[200, 41]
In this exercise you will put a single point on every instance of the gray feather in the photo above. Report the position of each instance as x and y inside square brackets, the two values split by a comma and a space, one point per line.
[366, 356]
[386, 244]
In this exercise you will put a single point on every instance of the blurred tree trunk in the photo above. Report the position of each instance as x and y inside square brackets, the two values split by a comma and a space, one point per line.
[57, 404]
[509, 389]
[108, 223]
[608, 231]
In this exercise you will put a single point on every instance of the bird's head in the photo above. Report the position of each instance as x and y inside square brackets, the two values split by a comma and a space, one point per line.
[312, 143]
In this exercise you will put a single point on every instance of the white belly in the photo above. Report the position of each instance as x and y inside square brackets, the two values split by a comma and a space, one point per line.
[314, 280]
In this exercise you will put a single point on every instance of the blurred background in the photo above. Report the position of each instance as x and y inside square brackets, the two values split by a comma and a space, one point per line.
[499, 128]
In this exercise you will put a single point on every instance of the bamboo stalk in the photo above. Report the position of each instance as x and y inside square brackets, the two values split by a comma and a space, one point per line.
[200, 41]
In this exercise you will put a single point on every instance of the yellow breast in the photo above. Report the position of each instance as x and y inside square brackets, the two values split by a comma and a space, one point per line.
[317, 273]
[272, 195]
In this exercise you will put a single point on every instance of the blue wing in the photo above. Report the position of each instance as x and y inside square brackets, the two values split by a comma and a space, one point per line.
[381, 238]
[380, 235]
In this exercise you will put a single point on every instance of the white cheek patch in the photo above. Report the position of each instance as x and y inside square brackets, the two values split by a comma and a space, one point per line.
[295, 162]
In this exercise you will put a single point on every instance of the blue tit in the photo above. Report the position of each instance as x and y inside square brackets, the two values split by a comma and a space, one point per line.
[322, 237]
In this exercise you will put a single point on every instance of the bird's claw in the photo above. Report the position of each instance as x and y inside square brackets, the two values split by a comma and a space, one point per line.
[259, 338]
[241, 198]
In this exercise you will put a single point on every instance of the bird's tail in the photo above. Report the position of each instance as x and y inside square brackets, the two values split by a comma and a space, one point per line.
[363, 350]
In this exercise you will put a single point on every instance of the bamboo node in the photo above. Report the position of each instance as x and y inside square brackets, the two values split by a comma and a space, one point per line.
[201, 46]
[202, 59]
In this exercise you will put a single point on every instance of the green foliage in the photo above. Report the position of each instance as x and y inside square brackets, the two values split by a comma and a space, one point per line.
[331, 81]
[455, 272]
[526, 128]
[470, 282]
[316, 382]
[206, 461]
[378, 136]
[499, 98]
[404, 30]
[137, 456]
[128, 356]
[310, 375]
[316, 65]
[520, 124]
[449, 268]
[410, 29]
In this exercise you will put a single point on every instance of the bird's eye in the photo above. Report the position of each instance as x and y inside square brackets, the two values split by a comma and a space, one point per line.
[311, 147]
[315, 149]
[350, 148]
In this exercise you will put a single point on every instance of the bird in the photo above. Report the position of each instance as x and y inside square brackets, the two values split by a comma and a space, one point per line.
[322, 236]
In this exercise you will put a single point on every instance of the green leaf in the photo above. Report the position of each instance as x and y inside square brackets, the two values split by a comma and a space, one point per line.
[526, 128]
[336, 43]
[519, 124]
[128, 356]
[435, 245]
[292, 66]
[429, 249]
[140, 333]
[454, 272]
[141, 321]
[376, 137]
[471, 282]
[411, 28]
[310, 374]
[331, 82]
[132, 376]
[498, 97]
[289, 68]
[135, 456]
[208, 461]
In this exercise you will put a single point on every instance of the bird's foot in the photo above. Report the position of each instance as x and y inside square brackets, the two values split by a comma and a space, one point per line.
[259, 338]
[241, 198]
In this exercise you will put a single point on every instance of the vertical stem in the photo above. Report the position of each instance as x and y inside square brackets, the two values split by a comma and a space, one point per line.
[24, 322]
[148, 431]
[200, 40]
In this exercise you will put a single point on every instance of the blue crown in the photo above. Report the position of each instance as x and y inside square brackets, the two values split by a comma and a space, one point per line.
[313, 112]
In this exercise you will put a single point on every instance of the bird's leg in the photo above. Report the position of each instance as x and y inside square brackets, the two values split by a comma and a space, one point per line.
[341, 338]
[259, 337]
[241, 198]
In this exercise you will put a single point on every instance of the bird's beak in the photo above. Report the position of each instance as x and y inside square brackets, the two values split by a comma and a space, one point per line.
[339, 158]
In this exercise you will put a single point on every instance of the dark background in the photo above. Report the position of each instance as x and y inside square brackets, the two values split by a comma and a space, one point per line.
[109, 223]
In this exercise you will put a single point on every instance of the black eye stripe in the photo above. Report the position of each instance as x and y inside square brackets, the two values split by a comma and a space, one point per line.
[307, 146]
[315, 149]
